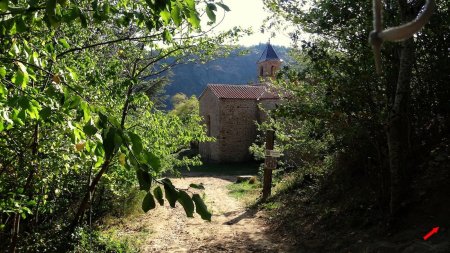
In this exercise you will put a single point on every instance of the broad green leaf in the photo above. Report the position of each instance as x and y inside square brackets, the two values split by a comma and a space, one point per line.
[23, 76]
[102, 121]
[1, 125]
[201, 208]
[64, 43]
[153, 161]
[19, 116]
[20, 25]
[108, 142]
[136, 143]
[117, 139]
[210, 8]
[72, 74]
[50, 10]
[170, 192]
[194, 20]
[20, 79]
[167, 36]
[148, 203]
[175, 13]
[191, 4]
[197, 186]
[89, 129]
[45, 113]
[4, 5]
[187, 203]
[86, 111]
[165, 16]
[225, 7]
[144, 179]
[3, 90]
[2, 71]
[158, 195]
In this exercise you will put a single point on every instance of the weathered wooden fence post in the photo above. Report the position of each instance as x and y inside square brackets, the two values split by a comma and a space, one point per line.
[269, 164]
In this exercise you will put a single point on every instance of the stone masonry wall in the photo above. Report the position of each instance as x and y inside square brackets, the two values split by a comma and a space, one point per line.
[209, 106]
[269, 68]
[238, 130]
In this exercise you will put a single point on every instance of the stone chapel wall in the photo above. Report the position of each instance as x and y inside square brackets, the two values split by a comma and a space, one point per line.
[238, 129]
[209, 110]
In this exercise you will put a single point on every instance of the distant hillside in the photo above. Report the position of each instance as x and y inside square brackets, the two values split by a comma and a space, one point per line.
[191, 79]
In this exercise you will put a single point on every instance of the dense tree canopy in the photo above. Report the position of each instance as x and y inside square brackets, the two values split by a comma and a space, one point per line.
[78, 81]
[345, 119]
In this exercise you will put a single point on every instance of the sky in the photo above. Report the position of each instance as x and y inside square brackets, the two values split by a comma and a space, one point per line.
[249, 14]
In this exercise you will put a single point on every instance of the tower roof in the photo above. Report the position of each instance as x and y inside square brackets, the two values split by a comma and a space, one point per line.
[268, 54]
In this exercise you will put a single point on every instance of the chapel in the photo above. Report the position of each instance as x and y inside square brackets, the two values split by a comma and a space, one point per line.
[231, 111]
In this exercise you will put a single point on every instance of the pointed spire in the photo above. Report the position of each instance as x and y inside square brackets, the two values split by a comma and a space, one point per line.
[268, 54]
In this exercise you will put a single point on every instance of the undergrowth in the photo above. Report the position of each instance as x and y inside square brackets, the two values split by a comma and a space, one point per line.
[246, 192]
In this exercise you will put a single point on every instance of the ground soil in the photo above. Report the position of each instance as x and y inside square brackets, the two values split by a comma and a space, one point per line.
[233, 228]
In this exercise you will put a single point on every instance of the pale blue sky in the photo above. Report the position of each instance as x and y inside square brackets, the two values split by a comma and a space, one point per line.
[250, 14]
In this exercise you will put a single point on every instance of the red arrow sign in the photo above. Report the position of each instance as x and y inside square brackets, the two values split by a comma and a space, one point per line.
[432, 232]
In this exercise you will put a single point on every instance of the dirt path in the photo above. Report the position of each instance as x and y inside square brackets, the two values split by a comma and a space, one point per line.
[232, 229]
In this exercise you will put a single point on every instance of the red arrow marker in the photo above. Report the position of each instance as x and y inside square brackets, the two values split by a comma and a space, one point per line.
[432, 232]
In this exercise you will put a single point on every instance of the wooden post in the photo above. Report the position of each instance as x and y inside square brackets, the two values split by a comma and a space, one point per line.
[269, 165]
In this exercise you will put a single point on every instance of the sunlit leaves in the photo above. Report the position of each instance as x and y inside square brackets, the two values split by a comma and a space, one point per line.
[175, 14]
[2, 71]
[194, 20]
[165, 16]
[69, 99]
[64, 43]
[21, 76]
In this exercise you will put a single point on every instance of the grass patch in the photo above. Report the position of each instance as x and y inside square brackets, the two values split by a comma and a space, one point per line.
[245, 192]
[122, 227]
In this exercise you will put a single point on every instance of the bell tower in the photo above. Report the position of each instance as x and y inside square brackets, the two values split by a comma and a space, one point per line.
[269, 63]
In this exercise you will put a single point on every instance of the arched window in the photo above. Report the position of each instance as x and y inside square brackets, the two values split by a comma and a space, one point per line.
[261, 71]
[272, 70]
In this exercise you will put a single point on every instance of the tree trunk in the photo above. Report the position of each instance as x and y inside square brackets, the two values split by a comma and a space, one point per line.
[85, 202]
[397, 134]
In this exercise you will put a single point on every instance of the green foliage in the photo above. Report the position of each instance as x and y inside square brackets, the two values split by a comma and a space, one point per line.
[158, 195]
[201, 208]
[335, 121]
[184, 107]
[170, 192]
[78, 87]
[148, 203]
[93, 241]
[187, 203]
[245, 190]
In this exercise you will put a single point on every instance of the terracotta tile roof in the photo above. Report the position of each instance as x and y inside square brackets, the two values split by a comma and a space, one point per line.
[241, 91]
